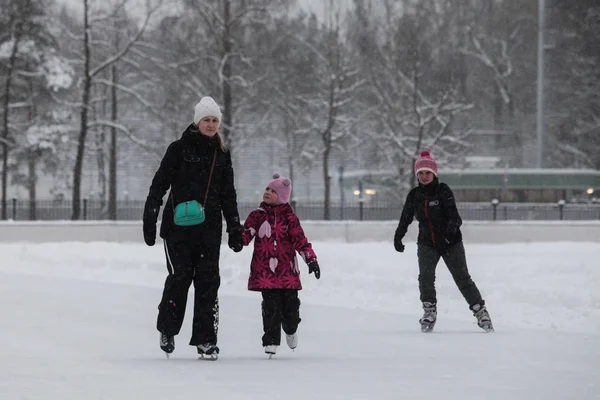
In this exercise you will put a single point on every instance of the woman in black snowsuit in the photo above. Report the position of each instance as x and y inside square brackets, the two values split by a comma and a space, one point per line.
[195, 167]
[432, 204]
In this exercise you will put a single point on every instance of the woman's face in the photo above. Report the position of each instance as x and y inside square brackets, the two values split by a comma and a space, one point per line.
[425, 177]
[208, 126]
[270, 196]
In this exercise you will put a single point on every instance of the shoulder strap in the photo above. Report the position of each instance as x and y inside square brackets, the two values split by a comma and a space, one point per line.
[212, 167]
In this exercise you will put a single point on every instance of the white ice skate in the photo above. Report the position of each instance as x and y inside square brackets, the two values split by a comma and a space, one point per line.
[429, 317]
[483, 318]
[271, 350]
[292, 340]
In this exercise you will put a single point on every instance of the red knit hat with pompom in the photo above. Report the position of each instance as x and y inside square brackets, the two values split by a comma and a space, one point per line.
[426, 163]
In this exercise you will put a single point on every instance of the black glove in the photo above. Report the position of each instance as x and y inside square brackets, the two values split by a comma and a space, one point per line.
[398, 244]
[313, 266]
[149, 233]
[447, 237]
[236, 242]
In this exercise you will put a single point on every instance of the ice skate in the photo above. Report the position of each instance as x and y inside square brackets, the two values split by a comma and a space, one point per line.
[271, 349]
[167, 344]
[483, 318]
[208, 351]
[429, 317]
[292, 340]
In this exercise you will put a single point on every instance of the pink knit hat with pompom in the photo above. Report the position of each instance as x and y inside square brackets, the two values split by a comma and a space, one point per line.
[283, 187]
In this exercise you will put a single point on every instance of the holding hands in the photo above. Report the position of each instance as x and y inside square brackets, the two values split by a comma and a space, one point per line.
[236, 242]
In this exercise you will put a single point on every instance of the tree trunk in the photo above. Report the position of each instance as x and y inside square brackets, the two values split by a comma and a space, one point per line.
[87, 83]
[101, 157]
[327, 181]
[5, 135]
[31, 183]
[112, 185]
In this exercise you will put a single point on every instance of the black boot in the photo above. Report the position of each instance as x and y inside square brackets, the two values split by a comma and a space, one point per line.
[167, 343]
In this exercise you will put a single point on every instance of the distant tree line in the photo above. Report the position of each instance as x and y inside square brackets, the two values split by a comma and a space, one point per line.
[377, 82]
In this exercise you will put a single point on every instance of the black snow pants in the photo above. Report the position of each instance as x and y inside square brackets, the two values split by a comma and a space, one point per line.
[187, 263]
[280, 309]
[455, 259]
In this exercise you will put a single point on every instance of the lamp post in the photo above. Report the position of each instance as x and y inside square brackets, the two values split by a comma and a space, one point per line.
[341, 182]
[561, 206]
[361, 200]
[540, 83]
[495, 203]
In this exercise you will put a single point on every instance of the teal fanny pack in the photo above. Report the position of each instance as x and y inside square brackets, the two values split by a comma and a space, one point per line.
[189, 213]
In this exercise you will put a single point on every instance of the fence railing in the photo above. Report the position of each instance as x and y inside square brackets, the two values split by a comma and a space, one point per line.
[131, 210]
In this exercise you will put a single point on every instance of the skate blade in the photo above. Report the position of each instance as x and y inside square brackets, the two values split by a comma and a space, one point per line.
[427, 328]
[488, 328]
[208, 357]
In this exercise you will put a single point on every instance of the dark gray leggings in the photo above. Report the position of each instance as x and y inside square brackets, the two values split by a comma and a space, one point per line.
[456, 261]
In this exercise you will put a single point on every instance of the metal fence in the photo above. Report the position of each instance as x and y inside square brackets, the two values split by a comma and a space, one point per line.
[131, 210]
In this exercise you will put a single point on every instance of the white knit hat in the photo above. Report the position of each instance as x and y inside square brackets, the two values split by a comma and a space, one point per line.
[207, 107]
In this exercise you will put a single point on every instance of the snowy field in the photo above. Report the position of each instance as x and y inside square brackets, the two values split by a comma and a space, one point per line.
[78, 322]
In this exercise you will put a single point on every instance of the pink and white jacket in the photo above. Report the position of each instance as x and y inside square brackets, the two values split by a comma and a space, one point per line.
[277, 235]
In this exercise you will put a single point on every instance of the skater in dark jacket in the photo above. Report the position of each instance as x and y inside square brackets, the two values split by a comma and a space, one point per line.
[432, 204]
[197, 168]
[274, 269]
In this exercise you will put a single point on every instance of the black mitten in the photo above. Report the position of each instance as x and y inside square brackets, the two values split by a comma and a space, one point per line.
[149, 233]
[313, 266]
[398, 245]
[235, 241]
[151, 209]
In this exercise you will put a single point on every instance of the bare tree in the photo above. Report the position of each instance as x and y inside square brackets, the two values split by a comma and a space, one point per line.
[336, 82]
[412, 100]
[495, 41]
[89, 73]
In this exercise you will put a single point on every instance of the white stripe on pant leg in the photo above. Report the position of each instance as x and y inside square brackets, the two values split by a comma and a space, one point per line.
[170, 266]
[216, 314]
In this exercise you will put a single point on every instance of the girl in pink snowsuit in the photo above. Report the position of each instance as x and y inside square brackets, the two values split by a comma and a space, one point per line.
[274, 269]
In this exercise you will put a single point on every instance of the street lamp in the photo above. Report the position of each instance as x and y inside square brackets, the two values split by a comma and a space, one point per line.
[361, 200]
[341, 182]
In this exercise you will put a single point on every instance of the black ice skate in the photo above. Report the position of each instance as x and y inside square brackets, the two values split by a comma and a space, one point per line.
[167, 343]
[429, 317]
[208, 351]
[483, 318]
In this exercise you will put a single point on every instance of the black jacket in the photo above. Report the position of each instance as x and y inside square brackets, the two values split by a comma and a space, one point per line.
[185, 170]
[433, 205]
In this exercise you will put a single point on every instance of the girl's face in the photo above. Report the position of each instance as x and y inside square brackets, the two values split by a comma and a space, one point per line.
[270, 196]
[425, 177]
[208, 126]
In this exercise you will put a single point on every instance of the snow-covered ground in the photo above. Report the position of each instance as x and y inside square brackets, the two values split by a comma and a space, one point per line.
[77, 322]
